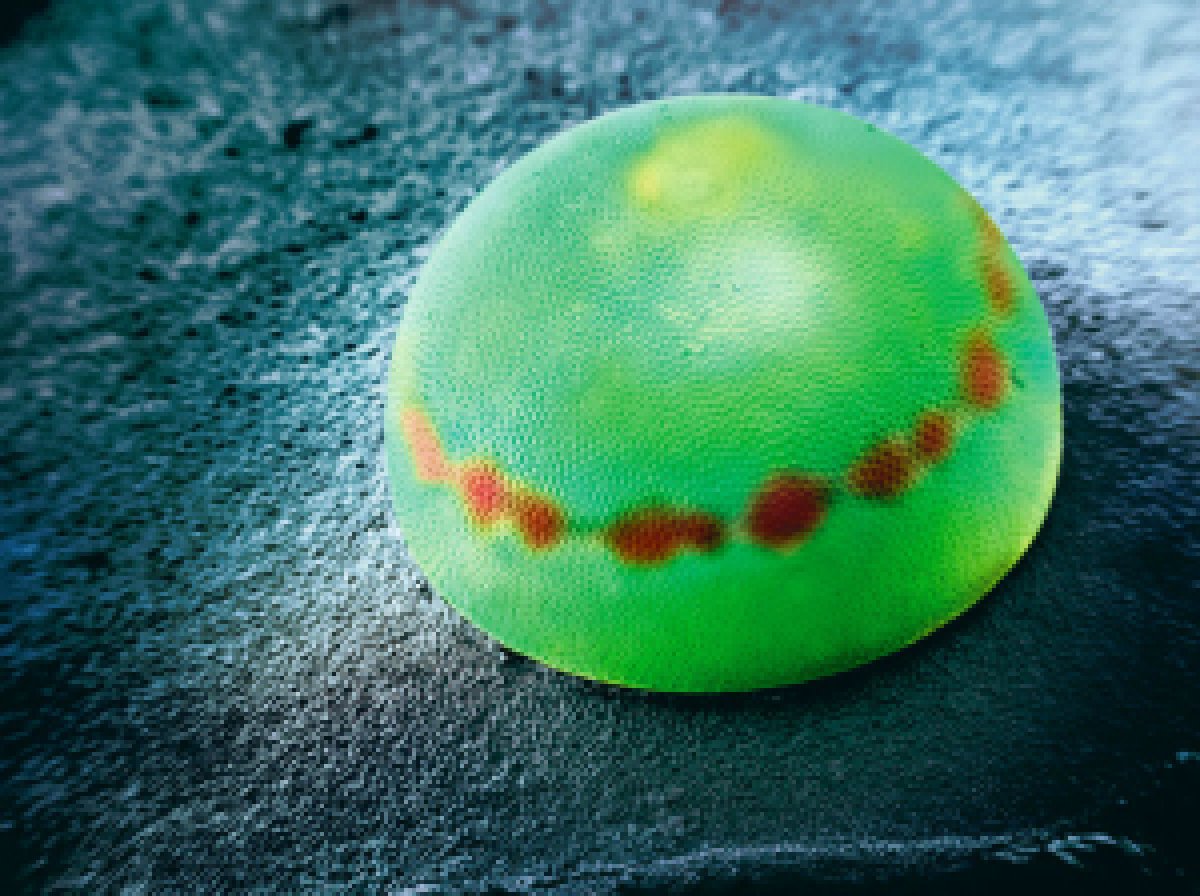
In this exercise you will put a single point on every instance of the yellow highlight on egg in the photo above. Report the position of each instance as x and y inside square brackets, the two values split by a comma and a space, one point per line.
[700, 168]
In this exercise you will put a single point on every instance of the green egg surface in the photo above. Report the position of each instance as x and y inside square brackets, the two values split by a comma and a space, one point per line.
[717, 393]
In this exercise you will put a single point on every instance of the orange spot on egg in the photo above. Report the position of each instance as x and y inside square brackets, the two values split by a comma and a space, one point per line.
[701, 531]
[538, 519]
[483, 490]
[428, 457]
[651, 536]
[932, 436]
[984, 372]
[644, 538]
[999, 286]
[992, 237]
[885, 471]
[787, 509]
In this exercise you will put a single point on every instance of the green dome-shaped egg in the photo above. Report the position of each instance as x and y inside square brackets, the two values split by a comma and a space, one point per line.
[717, 393]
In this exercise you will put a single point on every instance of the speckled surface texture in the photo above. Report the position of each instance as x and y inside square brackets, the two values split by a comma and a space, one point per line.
[221, 675]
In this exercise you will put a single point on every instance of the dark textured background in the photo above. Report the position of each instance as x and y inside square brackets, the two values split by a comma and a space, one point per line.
[219, 672]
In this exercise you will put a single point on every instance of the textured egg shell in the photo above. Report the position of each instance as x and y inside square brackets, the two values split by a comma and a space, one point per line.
[693, 308]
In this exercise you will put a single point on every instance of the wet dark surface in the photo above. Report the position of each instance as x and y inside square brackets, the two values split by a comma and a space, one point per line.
[221, 675]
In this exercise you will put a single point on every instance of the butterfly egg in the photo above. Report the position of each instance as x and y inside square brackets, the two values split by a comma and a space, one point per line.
[717, 393]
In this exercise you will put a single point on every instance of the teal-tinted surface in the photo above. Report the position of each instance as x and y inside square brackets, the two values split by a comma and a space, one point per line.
[220, 673]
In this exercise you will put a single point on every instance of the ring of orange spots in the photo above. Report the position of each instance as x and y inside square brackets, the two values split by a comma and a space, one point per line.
[984, 372]
[787, 509]
[651, 536]
[481, 485]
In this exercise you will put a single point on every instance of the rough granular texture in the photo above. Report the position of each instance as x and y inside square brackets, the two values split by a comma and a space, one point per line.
[220, 673]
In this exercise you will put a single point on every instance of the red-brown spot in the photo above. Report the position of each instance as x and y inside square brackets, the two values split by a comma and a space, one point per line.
[998, 284]
[984, 372]
[787, 509]
[644, 538]
[652, 536]
[483, 490]
[428, 457]
[540, 522]
[992, 237]
[702, 531]
[932, 436]
[884, 471]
